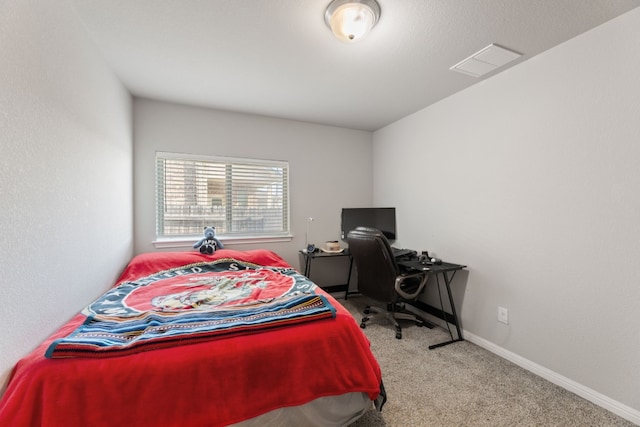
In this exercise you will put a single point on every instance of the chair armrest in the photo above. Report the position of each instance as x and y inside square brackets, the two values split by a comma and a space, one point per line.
[402, 278]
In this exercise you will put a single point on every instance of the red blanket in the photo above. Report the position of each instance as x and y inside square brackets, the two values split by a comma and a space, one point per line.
[209, 383]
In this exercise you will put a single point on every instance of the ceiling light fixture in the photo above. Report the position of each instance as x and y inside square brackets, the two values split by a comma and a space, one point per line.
[351, 20]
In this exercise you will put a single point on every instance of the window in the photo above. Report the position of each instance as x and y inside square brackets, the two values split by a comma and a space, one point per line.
[239, 197]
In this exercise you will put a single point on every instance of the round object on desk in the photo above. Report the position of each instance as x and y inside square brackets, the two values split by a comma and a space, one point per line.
[331, 246]
[332, 252]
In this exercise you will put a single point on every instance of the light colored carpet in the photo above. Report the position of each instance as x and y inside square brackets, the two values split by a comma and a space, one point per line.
[463, 385]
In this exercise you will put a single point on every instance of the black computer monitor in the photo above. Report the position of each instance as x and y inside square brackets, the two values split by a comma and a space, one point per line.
[384, 219]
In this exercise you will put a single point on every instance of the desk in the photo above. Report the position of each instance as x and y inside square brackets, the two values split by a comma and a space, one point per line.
[309, 257]
[447, 271]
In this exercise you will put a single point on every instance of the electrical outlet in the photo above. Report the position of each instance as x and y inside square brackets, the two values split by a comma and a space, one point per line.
[503, 315]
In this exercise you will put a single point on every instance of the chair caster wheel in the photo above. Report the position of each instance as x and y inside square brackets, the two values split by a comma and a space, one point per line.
[366, 311]
[363, 323]
[399, 335]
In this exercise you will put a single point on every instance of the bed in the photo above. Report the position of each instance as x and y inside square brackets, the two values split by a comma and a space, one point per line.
[188, 339]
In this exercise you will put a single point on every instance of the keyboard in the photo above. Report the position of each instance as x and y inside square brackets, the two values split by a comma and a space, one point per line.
[398, 252]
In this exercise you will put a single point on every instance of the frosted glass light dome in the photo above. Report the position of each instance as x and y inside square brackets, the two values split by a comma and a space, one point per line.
[351, 20]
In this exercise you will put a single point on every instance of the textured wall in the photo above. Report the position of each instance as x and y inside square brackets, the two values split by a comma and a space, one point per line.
[329, 167]
[531, 179]
[65, 173]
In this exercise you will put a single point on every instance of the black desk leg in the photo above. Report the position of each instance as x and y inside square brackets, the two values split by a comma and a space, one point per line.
[346, 293]
[447, 282]
[307, 265]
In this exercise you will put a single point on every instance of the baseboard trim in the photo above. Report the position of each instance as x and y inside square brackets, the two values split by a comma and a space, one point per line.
[593, 396]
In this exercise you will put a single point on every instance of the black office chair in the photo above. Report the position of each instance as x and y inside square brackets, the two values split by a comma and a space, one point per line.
[380, 278]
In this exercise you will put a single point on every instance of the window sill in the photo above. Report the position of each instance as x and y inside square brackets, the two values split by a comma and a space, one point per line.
[183, 242]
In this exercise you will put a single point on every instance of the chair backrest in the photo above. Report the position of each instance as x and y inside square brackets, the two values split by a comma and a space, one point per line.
[375, 263]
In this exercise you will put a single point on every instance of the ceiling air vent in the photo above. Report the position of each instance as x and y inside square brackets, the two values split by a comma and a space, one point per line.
[485, 60]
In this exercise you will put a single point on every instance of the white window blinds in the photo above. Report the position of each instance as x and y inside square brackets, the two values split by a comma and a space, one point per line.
[239, 197]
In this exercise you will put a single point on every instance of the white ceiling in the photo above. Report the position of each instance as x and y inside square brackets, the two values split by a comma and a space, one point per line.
[277, 57]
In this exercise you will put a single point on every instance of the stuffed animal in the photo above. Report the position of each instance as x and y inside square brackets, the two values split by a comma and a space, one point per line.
[209, 243]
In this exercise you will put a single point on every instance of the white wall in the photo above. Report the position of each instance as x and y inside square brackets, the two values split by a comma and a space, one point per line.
[532, 179]
[65, 174]
[329, 167]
